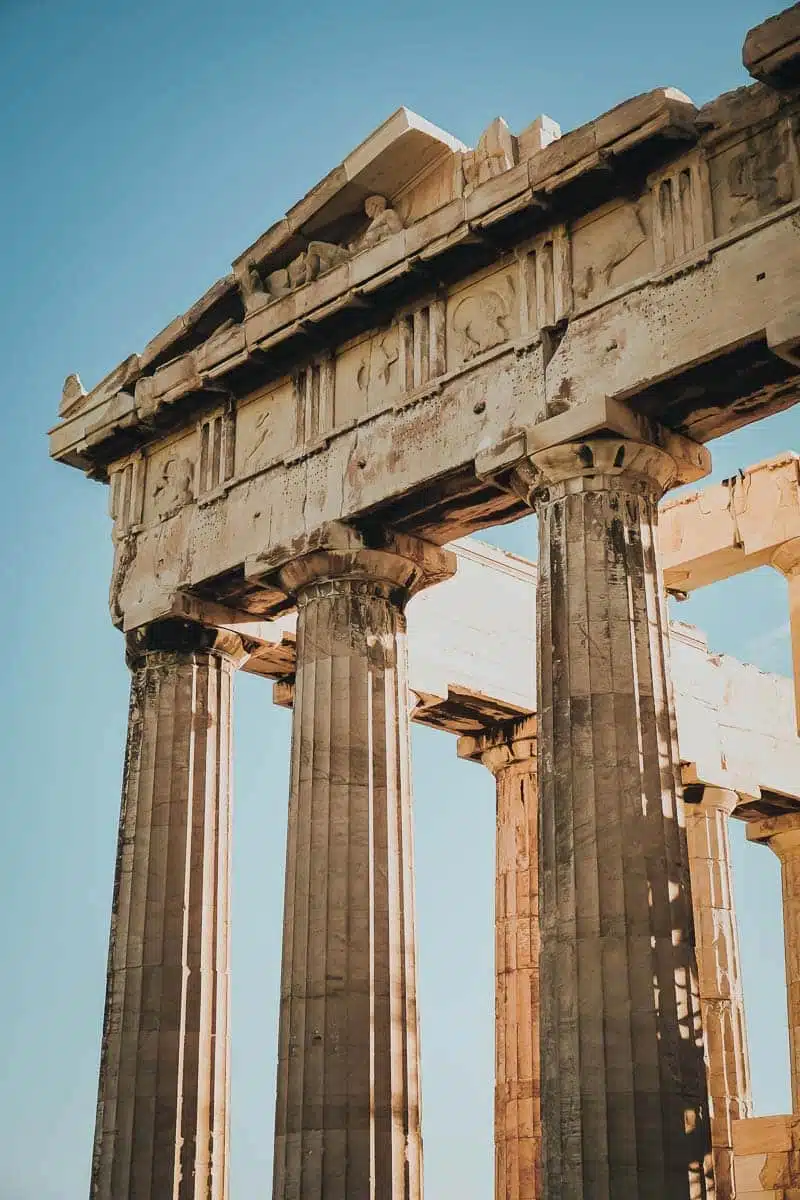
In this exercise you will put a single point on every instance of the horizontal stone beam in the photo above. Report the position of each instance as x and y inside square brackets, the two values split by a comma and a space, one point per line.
[373, 354]
[771, 51]
[748, 521]
[472, 666]
[731, 527]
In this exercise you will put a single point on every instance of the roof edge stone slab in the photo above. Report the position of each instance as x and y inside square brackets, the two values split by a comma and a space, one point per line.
[431, 314]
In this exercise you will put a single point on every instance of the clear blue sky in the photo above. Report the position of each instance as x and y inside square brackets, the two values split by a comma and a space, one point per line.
[142, 147]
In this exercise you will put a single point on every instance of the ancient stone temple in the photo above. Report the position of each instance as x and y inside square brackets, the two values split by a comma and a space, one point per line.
[436, 339]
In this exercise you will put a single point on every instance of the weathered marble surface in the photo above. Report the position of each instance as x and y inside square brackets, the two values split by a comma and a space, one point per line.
[162, 1113]
[719, 971]
[624, 1101]
[509, 752]
[433, 339]
[650, 268]
[767, 1158]
[348, 1109]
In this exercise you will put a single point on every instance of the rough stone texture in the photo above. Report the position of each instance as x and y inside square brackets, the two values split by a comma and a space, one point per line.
[624, 1108]
[394, 353]
[348, 1098]
[162, 1115]
[787, 560]
[607, 279]
[736, 723]
[767, 1158]
[719, 975]
[771, 51]
[745, 522]
[509, 751]
[782, 834]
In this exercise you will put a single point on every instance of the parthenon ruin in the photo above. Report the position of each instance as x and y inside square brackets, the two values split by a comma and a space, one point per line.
[434, 340]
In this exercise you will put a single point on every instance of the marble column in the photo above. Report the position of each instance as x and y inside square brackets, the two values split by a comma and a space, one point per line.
[162, 1114]
[509, 751]
[782, 835]
[348, 1095]
[624, 1107]
[719, 973]
[786, 559]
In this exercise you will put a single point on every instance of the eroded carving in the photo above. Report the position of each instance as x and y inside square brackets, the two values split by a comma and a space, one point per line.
[320, 257]
[483, 319]
[495, 152]
[756, 177]
[762, 181]
[377, 365]
[383, 222]
[72, 393]
[254, 294]
[368, 377]
[172, 488]
[266, 429]
[603, 248]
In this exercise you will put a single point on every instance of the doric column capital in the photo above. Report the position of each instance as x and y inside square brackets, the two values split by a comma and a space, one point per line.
[594, 465]
[719, 799]
[175, 636]
[781, 834]
[377, 559]
[510, 744]
[786, 558]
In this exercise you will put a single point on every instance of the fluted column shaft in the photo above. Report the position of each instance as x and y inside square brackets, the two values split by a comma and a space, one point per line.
[162, 1116]
[509, 751]
[719, 975]
[348, 1095]
[782, 835]
[786, 559]
[624, 1107]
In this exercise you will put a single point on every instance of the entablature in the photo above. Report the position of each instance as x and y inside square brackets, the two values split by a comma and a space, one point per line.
[376, 351]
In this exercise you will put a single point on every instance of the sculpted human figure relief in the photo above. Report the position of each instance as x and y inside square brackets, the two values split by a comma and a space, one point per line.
[494, 153]
[320, 257]
[73, 392]
[173, 487]
[383, 221]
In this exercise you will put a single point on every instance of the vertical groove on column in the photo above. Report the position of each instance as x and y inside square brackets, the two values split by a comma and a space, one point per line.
[790, 887]
[591, 1007]
[162, 1110]
[318, 783]
[347, 915]
[357, 802]
[517, 1087]
[622, 1083]
[719, 972]
[302, 747]
[334, 1120]
[220, 1144]
[285, 1028]
[413, 1131]
[548, 893]
[621, 890]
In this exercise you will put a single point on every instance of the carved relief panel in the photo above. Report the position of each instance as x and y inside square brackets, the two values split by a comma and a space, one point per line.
[610, 248]
[126, 494]
[547, 281]
[682, 214]
[367, 377]
[756, 176]
[266, 428]
[481, 315]
[170, 478]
